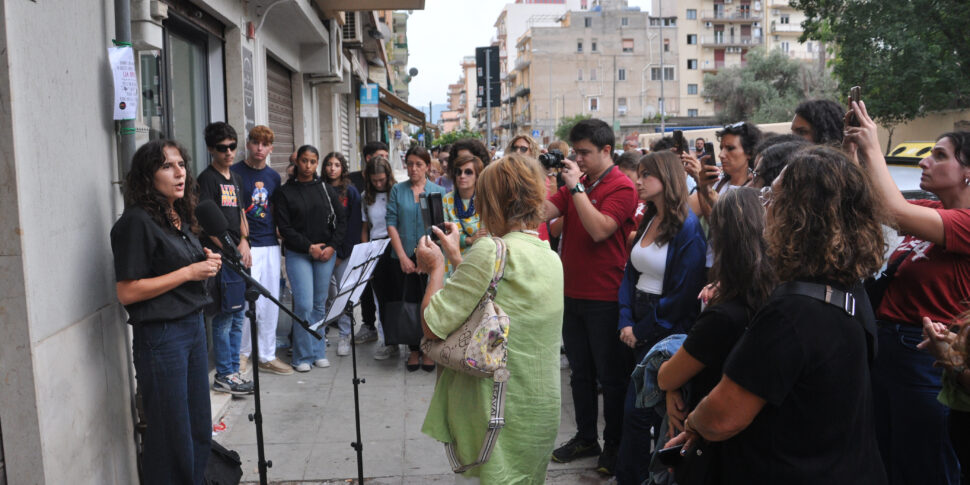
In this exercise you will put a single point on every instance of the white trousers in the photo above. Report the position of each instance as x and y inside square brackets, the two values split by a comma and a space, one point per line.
[265, 270]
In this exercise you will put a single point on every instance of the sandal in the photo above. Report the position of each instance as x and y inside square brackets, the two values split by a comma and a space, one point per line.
[415, 366]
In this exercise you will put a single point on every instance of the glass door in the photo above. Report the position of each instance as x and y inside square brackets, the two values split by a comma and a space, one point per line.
[187, 90]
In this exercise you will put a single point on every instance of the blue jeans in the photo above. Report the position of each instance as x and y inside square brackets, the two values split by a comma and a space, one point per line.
[343, 323]
[310, 281]
[226, 336]
[593, 348]
[911, 425]
[171, 367]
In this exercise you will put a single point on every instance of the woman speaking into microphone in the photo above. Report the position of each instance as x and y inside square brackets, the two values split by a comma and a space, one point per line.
[159, 268]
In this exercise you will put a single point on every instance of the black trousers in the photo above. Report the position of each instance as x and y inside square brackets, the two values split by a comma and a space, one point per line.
[595, 354]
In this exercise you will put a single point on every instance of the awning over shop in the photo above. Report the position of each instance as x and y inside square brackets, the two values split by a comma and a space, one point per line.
[392, 105]
[371, 4]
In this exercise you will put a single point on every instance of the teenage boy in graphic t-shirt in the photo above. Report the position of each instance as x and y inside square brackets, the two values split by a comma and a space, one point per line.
[219, 184]
[597, 203]
[258, 183]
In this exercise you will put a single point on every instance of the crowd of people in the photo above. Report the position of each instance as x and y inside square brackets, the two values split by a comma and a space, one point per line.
[742, 321]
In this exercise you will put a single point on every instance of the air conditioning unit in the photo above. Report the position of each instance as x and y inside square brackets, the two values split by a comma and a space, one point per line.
[353, 35]
[708, 24]
[756, 24]
[621, 110]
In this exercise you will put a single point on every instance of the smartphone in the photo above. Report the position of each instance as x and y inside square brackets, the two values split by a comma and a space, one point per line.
[432, 212]
[680, 143]
[855, 94]
[670, 456]
[709, 151]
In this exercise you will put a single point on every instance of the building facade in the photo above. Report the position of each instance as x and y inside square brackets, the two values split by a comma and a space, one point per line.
[67, 392]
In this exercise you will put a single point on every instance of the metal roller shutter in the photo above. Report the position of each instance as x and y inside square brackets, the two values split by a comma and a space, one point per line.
[345, 117]
[280, 106]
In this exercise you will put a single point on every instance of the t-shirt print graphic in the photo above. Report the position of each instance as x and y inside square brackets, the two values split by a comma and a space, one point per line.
[260, 201]
[228, 196]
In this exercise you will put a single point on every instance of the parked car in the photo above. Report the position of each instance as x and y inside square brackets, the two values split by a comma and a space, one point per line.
[904, 166]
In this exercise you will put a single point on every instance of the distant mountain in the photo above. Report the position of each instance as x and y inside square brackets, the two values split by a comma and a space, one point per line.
[436, 111]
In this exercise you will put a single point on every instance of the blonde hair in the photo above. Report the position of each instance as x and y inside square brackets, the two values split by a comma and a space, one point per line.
[533, 146]
[510, 192]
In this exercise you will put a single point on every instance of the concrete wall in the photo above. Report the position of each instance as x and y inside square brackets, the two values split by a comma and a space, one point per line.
[64, 363]
[927, 128]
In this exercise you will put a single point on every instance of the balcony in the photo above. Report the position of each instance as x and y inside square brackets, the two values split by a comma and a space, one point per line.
[730, 40]
[712, 67]
[522, 62]
[780, 28]
[778, 4]
[736, 16]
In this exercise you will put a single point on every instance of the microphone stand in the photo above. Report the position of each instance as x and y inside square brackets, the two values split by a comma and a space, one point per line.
[253, 291]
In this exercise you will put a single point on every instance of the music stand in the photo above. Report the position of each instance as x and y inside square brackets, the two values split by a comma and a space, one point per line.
[360, 270]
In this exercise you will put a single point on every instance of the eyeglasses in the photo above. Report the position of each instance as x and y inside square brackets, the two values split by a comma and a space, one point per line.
[766, 195]
[466, 172]
[224, 148]
[520, 149]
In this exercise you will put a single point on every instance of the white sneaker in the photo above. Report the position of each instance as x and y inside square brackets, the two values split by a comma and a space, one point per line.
[304, 367]
[343, 347]
[385, 352]
[322, 363]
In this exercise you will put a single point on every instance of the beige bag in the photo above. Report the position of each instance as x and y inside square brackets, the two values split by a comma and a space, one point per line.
[479, 348]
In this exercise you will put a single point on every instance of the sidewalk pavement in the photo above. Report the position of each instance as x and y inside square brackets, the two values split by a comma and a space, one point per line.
[308, 425]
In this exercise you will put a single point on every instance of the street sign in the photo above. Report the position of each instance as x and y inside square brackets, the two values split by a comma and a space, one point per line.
[494, 74]
[535, 133]
[420, 136]
[369, 98]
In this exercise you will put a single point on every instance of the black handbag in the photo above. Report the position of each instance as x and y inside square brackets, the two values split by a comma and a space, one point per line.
[223, 467]
[402, 324]
[876, 286]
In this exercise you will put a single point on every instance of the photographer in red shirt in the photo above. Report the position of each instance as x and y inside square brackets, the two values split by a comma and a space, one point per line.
[597, 204]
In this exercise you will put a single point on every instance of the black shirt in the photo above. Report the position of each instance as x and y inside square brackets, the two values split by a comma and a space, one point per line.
[301, 211]
[808, 360]
[710, 340]
[143, 249]
[226, 193]
[357, 178]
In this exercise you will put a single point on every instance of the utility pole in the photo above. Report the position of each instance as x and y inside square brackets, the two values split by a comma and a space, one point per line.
[663, 109]
[427, 142]
[613, 122]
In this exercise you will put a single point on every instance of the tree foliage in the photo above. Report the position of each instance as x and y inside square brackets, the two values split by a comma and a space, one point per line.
[566, 125]
[910, 57]
[767, 89]
[453, 136]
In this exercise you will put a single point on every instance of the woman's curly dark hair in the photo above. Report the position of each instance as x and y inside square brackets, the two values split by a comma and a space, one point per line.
[139, 187]
[827, 119]
[825, 219]
[749, 134]
[341, 183]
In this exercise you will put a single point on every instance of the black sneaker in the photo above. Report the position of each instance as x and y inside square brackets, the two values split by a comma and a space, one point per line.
[232, 384]
[607, 461]
[575, 448]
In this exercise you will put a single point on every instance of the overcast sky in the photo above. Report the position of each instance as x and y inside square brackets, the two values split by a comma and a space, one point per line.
[444, 32]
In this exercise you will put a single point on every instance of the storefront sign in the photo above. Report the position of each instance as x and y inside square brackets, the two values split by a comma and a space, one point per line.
[369, 98]
[249, 89]
[122, 59]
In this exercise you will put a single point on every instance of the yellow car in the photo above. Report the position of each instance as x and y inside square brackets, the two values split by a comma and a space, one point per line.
[903, 163]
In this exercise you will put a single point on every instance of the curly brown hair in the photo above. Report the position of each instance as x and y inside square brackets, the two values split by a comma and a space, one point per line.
[666, 166]
[139, 186]
[824, 219]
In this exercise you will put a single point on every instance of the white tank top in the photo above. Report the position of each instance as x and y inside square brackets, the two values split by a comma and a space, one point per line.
[651, 262]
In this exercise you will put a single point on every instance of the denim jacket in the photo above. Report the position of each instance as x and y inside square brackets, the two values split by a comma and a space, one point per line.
[645, 375]
[684, 276]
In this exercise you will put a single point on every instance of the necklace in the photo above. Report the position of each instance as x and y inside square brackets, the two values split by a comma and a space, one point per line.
[460, 210]
[174, 219]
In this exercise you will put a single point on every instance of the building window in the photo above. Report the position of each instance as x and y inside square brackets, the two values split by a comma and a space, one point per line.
[785, 46]
[655, 74]
[692, 113]
[627, 45]
[654, 22]
[621, 105]
[691, 39]
[588, 21]
[670, 22]
[666, 45]
[785, 19]
[624, 21]
[691, 63]
[691, 14]
[580, 77]
[579, 45]
[809, 47]
[592, 45]
[691, 89]
[592, 74]
[621, 75]
[594, 104]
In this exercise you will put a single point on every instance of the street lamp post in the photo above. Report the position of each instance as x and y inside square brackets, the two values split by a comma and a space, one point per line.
[663, 71]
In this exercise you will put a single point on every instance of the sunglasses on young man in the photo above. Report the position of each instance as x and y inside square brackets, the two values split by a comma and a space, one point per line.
[224, 148]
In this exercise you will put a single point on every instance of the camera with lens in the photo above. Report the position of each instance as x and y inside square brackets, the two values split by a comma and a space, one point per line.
[552, 159]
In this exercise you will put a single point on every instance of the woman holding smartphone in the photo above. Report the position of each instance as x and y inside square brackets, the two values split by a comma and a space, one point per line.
[159, 267]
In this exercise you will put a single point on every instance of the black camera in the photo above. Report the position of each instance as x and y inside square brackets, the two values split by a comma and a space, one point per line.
[551, 160]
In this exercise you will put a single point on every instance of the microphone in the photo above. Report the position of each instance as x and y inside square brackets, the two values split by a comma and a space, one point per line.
[214, 224]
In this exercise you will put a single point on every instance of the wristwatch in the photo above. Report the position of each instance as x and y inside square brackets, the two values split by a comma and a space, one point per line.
[577, 189]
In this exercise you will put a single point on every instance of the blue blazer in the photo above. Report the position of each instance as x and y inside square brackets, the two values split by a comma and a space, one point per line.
[684, 276]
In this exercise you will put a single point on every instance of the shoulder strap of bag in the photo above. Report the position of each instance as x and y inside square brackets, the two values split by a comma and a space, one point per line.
[332, 217]
[501, 253]
[838, 298]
